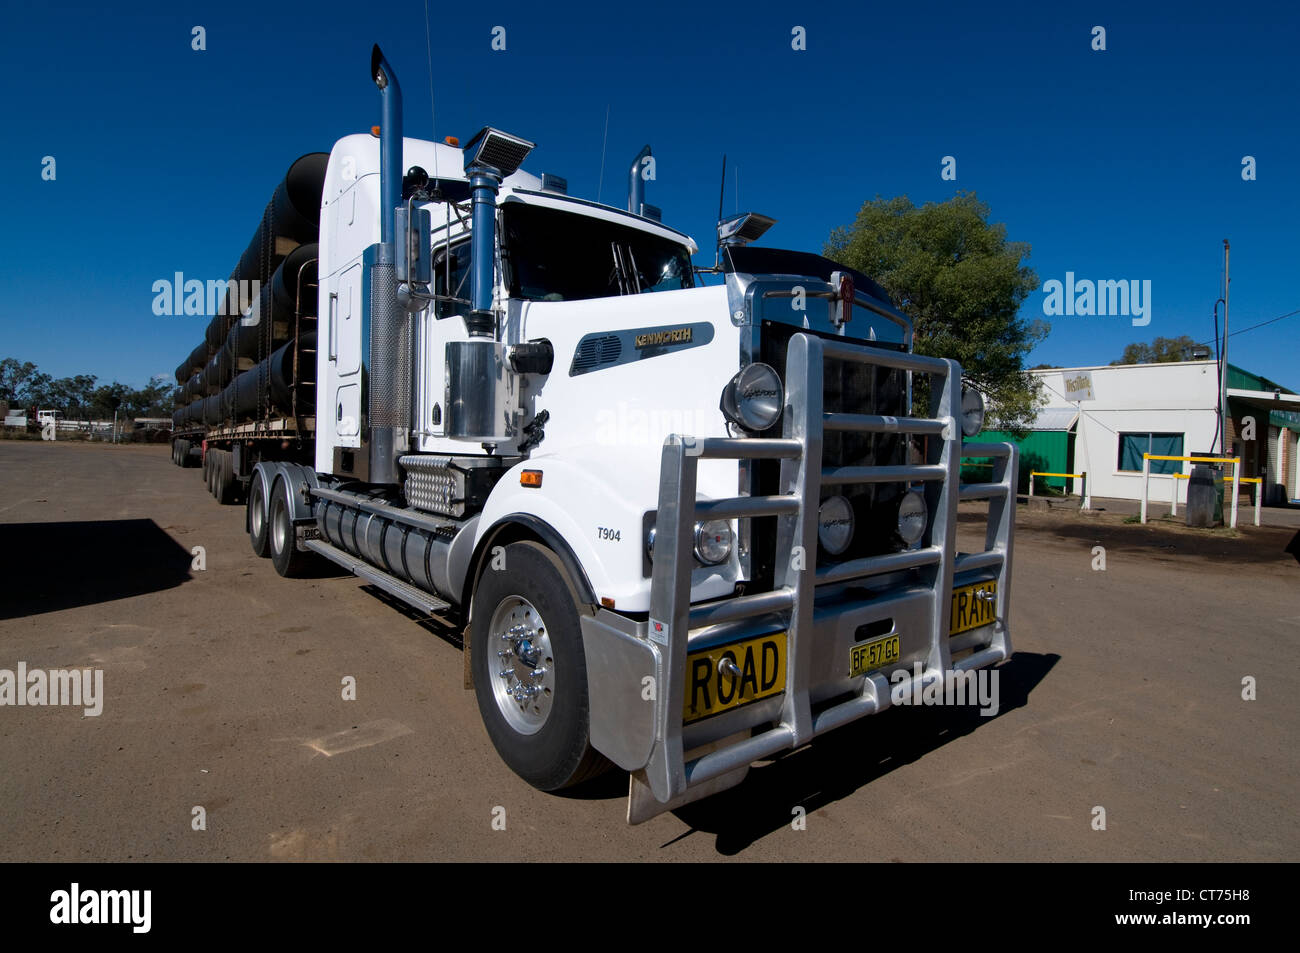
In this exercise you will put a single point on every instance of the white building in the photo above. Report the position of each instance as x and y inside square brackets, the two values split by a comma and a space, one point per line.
[1172, 410]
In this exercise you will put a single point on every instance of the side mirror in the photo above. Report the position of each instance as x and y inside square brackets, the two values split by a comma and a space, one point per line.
[413, 263]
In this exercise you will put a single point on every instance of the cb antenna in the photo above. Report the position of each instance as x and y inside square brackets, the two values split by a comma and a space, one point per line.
[428, 49]
[722, 191]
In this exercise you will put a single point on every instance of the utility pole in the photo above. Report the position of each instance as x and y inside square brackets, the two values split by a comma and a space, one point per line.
[1223, 382]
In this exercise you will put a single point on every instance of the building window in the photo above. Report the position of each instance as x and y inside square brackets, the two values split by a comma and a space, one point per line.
[1133, 445]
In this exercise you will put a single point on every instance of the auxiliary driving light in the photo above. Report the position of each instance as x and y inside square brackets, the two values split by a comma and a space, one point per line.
[972, 411]
[712, 541]
[754, 398]
[835, 524]
[912, 516]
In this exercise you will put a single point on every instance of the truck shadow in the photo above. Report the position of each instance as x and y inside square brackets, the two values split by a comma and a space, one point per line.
[837, 764]
[45, 567]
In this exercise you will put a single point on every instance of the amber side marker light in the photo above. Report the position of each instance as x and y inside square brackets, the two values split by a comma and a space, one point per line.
[374, 131]
[530, 478]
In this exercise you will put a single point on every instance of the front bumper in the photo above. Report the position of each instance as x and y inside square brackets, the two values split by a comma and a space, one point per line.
[637, 670]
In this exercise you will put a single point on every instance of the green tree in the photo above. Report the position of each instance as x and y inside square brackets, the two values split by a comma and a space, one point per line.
[108, 398]
[1160, 351]
[962, 283]
[21, 383]
[73, 395]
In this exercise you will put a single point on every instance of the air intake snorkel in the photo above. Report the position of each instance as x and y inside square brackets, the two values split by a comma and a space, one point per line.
[480, 391]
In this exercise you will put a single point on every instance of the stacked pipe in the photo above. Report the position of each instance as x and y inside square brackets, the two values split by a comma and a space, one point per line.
[244, 338]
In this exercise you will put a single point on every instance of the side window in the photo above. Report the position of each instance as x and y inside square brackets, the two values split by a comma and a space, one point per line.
[451, 278]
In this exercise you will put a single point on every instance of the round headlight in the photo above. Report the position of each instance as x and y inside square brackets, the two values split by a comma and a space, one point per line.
[712, 541]
[972, 411]
[912, 516]
[754, 398]
[835, 524]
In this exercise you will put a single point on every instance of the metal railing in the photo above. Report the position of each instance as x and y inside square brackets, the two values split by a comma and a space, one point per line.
[1083, 493]
[672, 618]
[1146, 480]
[1173, 496]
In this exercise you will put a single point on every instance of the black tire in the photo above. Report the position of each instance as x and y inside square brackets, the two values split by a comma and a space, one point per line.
[283, 541]
[183, 452]
[558, 753]
[226, 484]
[259, 534]
[208, 459]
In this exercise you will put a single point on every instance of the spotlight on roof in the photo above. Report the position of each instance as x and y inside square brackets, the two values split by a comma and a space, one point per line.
[743, 228]
[497, 150]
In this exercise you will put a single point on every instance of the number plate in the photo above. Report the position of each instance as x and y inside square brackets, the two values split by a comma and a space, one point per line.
[761, 662]
[869, 656]
[969, 611]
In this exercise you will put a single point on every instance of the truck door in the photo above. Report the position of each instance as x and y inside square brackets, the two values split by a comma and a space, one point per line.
[345, 354]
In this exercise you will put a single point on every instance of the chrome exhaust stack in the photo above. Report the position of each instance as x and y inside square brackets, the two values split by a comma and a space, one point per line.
[389, 346]
[636, 183]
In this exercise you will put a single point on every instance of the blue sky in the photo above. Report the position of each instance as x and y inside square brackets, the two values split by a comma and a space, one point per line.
[1122, 164]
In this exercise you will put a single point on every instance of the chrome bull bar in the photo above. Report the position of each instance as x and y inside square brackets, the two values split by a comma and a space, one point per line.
[672, 617]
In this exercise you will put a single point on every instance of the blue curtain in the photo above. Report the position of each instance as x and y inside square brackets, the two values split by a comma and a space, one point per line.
[1133, 445]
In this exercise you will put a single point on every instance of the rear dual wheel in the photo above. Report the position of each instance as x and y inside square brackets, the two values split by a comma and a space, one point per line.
[283, 540]
[221, 475]
[258, 520]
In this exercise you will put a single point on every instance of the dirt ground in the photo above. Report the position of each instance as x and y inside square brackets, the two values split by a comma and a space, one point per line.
[222, 693]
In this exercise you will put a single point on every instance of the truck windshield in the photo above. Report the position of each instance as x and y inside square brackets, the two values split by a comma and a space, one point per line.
[554, 255]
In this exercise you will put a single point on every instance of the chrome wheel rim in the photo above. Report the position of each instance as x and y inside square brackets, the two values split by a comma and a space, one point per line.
[522, 665]
[257, 518]
[279, 533]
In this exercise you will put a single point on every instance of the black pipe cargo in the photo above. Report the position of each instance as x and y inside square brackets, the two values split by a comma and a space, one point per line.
[251, 339]
[292, 217]
[193, 364]
[274, 379]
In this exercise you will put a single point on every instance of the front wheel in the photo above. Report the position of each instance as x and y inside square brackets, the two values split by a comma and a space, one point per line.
[530, 672]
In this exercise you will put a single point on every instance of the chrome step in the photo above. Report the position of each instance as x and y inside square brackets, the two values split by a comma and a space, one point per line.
[408, 593]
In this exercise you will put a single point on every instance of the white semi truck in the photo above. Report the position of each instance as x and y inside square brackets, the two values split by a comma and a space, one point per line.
[685, 517]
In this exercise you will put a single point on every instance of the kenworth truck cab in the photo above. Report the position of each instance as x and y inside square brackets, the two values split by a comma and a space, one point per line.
[685, 517]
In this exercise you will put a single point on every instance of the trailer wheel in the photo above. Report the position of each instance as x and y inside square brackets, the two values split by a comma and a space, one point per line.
[208, 459]
[225, 482]
[530, 673]
[214, 472]
[283, 541]
[258, 533]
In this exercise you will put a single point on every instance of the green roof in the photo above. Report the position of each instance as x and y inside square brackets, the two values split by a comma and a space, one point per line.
[1244, 380]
